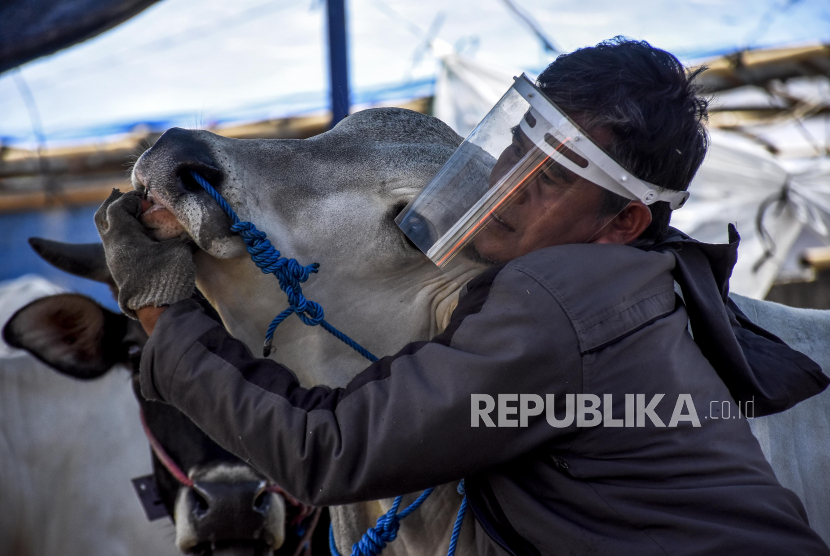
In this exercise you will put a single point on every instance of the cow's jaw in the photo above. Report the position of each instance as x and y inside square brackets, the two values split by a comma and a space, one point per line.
[382, 313]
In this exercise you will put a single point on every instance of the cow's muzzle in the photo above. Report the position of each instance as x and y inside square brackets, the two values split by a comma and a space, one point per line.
[175, 202]
[229, 517]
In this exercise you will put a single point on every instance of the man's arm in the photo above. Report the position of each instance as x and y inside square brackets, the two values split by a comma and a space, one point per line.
[401, 425]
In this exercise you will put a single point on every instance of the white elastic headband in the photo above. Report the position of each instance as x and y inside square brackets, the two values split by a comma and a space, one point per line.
[601, 169]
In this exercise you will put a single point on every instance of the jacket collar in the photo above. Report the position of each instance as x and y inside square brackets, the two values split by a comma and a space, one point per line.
[752, 362]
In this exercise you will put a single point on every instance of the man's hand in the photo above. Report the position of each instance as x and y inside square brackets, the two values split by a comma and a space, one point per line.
[148, 273]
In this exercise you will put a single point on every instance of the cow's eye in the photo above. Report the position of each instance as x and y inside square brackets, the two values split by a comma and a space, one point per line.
[395, 211]
[419, 230]
[397, 208]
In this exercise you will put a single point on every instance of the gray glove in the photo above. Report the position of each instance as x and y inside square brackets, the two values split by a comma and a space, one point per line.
[148, 273]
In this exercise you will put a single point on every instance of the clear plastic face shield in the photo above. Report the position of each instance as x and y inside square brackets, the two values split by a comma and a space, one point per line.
[525, 159]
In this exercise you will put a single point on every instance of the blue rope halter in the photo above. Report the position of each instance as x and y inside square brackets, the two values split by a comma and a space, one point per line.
[289, 273]
[385, 531]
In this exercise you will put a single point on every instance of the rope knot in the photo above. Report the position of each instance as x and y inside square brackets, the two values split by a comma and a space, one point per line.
[376, 538]
[313, 313]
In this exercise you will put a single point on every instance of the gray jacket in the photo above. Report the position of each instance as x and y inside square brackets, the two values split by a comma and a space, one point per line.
[574, 319]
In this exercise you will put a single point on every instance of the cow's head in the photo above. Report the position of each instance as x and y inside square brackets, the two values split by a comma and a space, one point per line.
[330, 199]
[228, 510]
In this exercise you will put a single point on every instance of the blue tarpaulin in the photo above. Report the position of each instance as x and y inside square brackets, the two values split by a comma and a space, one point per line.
[33, 28]
[68, 224]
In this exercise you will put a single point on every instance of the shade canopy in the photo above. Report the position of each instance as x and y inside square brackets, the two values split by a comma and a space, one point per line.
[30, 29]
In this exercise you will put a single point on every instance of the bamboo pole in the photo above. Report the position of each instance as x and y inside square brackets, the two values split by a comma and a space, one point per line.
[37, 200]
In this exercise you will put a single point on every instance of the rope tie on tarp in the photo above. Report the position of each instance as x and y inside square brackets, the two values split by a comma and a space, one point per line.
[779, 200]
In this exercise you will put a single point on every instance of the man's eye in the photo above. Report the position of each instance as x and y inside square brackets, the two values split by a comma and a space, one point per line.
[551, 179]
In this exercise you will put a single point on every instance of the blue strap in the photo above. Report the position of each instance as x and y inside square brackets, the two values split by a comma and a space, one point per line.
[290, 274]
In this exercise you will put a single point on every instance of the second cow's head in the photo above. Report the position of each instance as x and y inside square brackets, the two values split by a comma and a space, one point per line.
[229, 508]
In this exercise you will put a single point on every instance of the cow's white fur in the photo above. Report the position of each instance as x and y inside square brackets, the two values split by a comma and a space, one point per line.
[186, 537]
[330, 199]
[224, 473]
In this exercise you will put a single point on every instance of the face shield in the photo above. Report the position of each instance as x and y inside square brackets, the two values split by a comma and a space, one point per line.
[525, 151]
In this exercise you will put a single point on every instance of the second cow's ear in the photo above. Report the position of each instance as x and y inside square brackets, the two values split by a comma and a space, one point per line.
[71, 333]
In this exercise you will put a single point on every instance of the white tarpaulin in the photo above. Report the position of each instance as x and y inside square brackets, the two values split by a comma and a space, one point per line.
[736, 178]
[466, 89]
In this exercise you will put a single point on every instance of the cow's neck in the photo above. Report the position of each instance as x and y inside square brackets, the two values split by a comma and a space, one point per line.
[382, 313]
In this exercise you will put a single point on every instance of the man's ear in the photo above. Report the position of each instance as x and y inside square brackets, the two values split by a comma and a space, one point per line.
[627, 225]
[71, 333]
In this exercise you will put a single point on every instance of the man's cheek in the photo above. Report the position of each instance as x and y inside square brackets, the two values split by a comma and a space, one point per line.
[490, 246]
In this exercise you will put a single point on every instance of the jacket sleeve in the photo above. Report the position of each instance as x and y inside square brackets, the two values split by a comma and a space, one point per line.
[403, 424]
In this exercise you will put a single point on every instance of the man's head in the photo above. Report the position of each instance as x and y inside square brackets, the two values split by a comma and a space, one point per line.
[638, 104]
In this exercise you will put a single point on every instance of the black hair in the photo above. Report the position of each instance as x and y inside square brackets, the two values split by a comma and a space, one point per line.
[647, 99]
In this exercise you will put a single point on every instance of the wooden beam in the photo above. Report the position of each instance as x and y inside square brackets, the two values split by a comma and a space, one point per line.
[86, 174]
[36, 200]
[816, 257]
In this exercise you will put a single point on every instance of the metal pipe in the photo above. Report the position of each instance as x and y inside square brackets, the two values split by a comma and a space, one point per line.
[338, 60]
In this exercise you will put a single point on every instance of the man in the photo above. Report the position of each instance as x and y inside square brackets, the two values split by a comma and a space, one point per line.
[578, 312]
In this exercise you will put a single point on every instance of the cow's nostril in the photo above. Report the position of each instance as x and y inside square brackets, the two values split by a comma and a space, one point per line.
[189, 182]
[262, 502]
[200, 504]
[184, 173]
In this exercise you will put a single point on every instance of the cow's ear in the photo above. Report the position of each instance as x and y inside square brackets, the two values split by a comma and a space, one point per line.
[71, 333]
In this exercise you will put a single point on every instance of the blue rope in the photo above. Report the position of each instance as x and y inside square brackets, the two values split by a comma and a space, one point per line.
[289, 273]
[385, 531]
[459, 519]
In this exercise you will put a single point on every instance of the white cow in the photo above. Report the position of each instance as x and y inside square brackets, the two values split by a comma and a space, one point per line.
[67, 452]
[797, 442]
[332, 199]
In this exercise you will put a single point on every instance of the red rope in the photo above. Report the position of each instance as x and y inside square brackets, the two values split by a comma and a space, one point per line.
[304, 509]
[162, 456]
